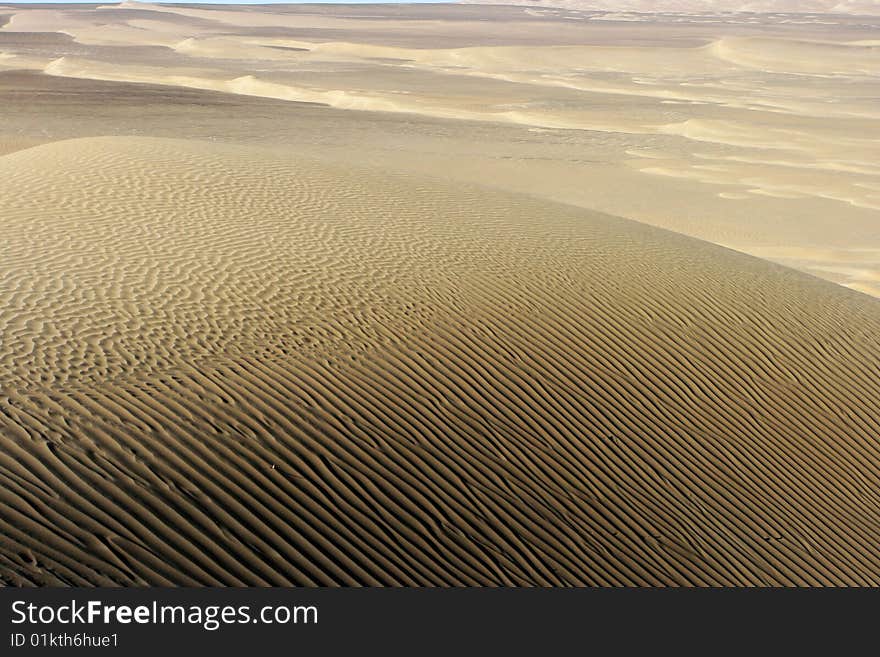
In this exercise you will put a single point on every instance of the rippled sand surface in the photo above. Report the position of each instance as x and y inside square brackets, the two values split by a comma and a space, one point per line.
[346, 295]
[756, 131]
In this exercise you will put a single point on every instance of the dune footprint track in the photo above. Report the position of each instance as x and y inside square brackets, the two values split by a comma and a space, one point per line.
[225, 365]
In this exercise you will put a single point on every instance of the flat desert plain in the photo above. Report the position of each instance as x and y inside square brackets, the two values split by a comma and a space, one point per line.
[438, 295]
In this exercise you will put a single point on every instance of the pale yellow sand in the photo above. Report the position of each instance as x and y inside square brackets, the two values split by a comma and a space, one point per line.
[221, 364]
[755, 131]
[799, 10]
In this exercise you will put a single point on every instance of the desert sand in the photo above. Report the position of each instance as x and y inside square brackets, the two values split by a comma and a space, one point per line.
[753, 131]
[437, 295]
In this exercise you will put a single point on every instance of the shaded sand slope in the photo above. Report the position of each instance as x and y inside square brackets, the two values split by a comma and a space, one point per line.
[222, 365]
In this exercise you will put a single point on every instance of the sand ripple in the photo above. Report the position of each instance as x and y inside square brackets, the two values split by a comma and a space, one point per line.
[227, 366]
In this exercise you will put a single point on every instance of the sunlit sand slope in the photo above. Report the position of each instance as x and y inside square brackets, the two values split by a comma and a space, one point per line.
[755, 131]
[224, 366]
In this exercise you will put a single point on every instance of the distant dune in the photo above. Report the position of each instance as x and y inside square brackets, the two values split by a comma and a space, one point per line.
[857, 7]
[753, 131]
[227, 365]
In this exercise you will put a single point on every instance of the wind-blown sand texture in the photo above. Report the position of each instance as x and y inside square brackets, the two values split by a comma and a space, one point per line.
[754, 131]
[225, 366]
[336, 295]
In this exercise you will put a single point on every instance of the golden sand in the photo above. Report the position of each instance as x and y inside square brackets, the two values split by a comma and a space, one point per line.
[362, 340]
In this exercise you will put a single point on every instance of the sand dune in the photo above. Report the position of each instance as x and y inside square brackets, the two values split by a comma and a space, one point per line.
[799, 57]
[227, 365]
[303, 331]
[737, 90]
[808, 7]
